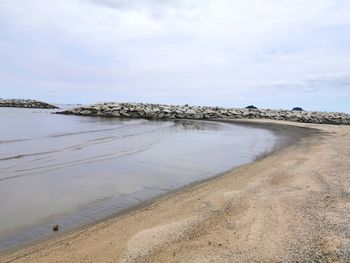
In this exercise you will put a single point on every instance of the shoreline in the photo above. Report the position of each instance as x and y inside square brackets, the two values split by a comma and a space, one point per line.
[194, 218]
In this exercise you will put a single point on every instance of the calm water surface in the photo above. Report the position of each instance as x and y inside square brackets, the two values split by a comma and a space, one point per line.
[75, 170]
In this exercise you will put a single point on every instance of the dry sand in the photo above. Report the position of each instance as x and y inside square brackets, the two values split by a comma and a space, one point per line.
[293, 205]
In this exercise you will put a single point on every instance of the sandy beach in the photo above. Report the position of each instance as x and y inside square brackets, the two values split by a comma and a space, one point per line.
[293, 205]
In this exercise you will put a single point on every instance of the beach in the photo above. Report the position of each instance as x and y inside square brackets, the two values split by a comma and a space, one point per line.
[293, 205]
[175, 131]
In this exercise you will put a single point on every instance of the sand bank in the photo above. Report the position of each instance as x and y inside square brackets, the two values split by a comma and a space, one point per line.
[293, 205]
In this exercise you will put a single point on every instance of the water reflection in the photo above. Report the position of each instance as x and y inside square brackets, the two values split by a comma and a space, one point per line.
[193, 125]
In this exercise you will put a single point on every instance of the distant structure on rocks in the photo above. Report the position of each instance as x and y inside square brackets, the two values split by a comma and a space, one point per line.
[297, 109]
[251, 107]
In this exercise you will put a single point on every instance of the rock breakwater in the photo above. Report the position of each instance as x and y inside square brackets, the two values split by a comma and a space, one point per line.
[160, 111]
[20, 103]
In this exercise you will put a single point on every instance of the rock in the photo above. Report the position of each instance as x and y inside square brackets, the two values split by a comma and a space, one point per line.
[190, 112]
[270, 114]
[55, 227]
[208, 111]
[198, 116]
[20, 103]
[85, 112]
[124, 114]
[105, 108]
[149, 113]
[139, 109]
[156, 111]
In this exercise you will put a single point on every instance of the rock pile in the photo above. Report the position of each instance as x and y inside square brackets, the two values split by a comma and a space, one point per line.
[19, 103]
[159, 111]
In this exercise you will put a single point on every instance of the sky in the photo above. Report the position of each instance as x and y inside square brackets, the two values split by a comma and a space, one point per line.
[230, 53]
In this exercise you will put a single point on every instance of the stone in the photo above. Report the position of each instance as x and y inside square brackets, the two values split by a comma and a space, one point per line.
[210, 112]
[198, 116]
[191, 112]
[85, 112]
[20, 103]
[139, 109]
[124, 114]
[156, 111]
[149, 113]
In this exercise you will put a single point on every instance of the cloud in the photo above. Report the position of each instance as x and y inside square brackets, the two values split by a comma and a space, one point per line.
[194, 51]
[314, 83]
[142, 4]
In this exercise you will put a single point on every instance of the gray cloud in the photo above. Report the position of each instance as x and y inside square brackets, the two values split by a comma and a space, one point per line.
[148, 4]
[180, 51]
[315, 83]
[156, 8]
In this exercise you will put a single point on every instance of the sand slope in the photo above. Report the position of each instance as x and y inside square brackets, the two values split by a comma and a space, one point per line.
[291, 206]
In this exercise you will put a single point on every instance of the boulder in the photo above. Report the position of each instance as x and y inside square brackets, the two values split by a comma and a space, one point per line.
[20, 103]
[156, 111]
[191, 112]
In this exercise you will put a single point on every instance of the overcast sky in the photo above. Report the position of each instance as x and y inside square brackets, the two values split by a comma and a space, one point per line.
[270, 53]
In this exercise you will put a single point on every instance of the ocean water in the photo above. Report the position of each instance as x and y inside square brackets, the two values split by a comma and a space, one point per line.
[71, 170]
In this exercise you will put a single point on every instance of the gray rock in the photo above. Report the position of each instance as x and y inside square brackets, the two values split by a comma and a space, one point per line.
[20, 103]
[85, 112]
[155, 111]
[139, 109]
[191, 112]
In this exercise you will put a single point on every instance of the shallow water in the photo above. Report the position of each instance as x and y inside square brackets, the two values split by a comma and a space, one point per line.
[75, 170]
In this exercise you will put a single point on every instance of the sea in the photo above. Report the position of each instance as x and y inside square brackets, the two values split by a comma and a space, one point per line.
[74, 171]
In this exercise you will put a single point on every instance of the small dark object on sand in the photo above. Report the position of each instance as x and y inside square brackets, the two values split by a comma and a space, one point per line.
[297, 109]
[251, 107]
[55, 227]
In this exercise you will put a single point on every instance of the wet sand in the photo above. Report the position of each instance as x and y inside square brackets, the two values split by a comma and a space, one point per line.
[293, 205]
